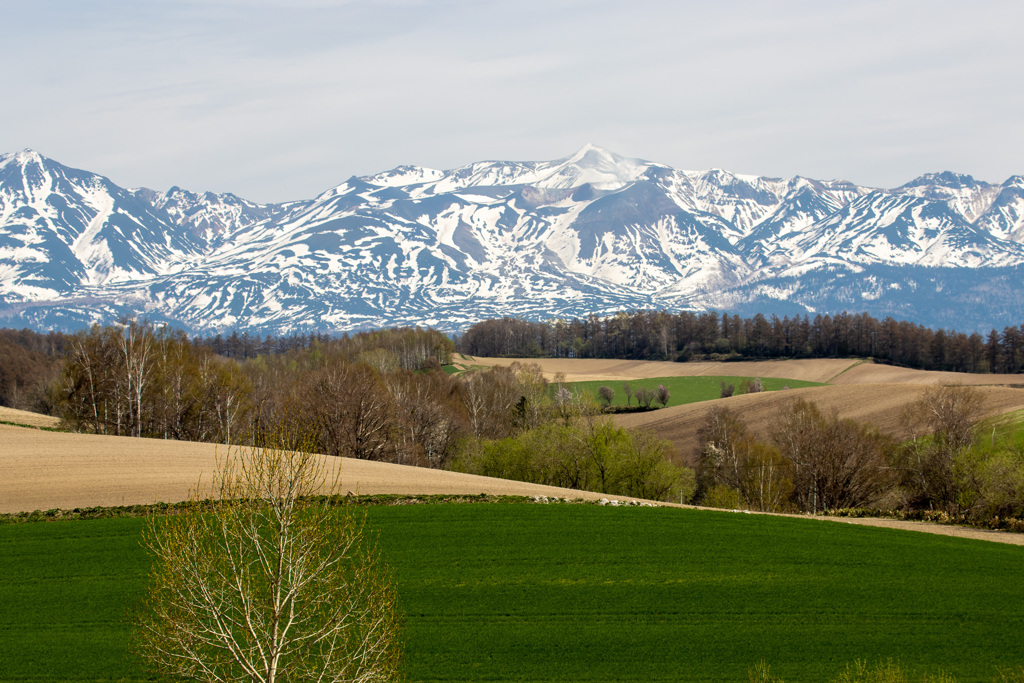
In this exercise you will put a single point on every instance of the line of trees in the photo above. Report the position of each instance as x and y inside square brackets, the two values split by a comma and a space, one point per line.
[688, 335]
[133, 379]
[29, 361]
[378, 396]
[944, 464]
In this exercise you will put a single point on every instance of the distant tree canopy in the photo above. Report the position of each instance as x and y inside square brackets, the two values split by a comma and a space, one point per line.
[411, 346]
[688, 335]
[945, 465]
[28, 361]
[363, 395]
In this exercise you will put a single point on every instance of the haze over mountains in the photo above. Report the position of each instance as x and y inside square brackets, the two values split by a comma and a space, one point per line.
[593, 232]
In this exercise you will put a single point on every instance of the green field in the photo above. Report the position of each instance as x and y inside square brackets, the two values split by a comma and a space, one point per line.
[687, 389]
[579, 593]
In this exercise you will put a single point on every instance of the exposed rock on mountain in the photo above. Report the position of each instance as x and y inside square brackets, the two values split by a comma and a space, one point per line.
[593, 232]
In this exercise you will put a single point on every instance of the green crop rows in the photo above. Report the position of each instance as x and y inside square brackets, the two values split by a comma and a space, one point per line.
[578, 593]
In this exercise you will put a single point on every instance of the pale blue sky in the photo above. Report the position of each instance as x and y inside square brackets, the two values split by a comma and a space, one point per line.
[277, 100]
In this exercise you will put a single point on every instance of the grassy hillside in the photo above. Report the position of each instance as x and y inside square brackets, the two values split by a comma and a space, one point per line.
[579, 593]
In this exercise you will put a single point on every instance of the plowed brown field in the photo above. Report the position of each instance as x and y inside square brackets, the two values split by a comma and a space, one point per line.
[878, 404]
[596, 369]
[23, 417]
[860, 390]
[47, 470]
[825, 370]
[872, 373]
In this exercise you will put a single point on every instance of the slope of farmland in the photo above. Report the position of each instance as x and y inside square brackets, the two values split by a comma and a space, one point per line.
[47, 470]
[612, 370]
[823, 370]
[575, 593]
[24, 417]
[877, 404]
[860, 390]
[874, 373]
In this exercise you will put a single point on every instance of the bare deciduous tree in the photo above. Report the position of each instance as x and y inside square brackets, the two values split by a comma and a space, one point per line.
[722, 453]
[490, 398]
[533, 388]
[427, 430]
[267, 584]
[354, 412]
[645, 396]
[941, 426]
[751, 386]
[836, 463]
[135, 343]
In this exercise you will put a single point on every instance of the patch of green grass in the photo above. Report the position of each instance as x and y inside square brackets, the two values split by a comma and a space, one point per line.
[685, 390]
[41, 428]
[579, 593]
[1006, 429]
[473, 366]
[64, 597]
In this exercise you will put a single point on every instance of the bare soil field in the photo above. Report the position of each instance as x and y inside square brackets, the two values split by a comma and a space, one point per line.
[878, 404]
[598, 369]
[47, 470]
[24, 417]
[873, 373]
[825, 370]
[860, 390]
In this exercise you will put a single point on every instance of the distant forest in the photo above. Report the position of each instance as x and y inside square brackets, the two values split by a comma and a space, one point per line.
[388, 395]
[30, 361]
[689, 336]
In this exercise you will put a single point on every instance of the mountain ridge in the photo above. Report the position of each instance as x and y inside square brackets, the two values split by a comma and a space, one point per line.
[592, 232]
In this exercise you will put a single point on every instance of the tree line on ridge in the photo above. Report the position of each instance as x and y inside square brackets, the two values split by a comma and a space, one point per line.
[689, 335]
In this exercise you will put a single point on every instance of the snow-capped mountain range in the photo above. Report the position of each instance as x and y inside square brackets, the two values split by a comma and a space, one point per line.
[592, 232]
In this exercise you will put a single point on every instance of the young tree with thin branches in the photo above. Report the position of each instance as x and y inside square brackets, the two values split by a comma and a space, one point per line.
[267, 584]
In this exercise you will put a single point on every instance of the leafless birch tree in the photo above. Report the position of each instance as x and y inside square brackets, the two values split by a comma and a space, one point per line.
[269, 585]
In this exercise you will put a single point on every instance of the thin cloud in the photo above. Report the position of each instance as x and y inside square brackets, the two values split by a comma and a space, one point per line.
[276, 100]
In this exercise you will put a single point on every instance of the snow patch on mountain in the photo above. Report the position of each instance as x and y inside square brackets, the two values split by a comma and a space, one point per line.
[591, 232]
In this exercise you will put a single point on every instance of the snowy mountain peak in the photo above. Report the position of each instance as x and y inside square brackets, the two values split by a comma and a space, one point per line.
[23, 158]
[405, 175]
[944, 179]
[965, 194]
[592, 155]
[590, 232]
[594, 166]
